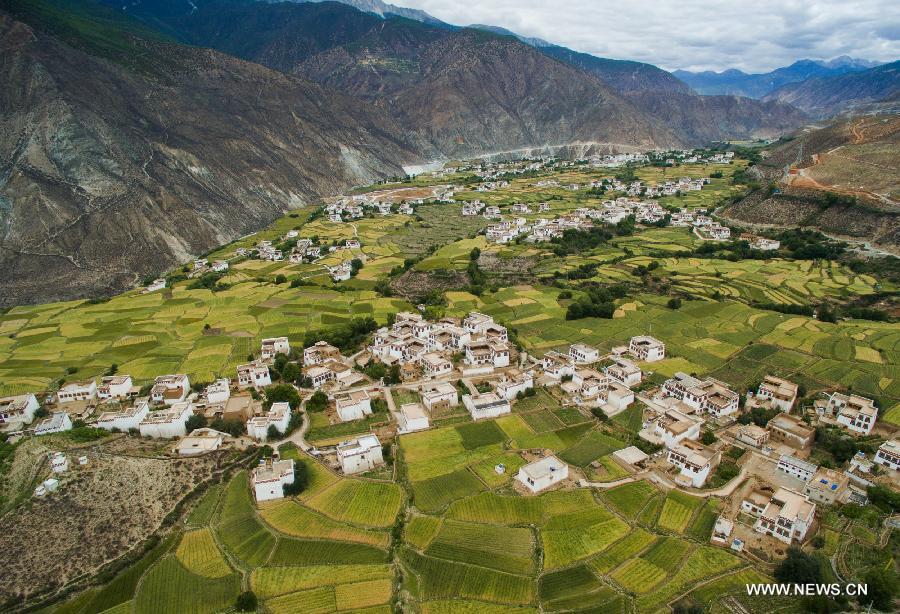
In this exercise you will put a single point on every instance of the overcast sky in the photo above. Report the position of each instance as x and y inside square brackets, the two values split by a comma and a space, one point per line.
[754, 36]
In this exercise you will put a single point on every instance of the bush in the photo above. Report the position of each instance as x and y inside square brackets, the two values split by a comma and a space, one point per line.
[674, 303]
[247, 602]
[196, 421]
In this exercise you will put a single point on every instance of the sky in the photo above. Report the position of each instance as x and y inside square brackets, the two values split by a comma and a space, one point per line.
[753, 36]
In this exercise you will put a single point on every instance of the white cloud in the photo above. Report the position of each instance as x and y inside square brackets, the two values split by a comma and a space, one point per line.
[754, 35]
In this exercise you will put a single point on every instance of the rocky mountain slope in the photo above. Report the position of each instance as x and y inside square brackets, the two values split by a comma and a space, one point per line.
[393, 62]
[114, 170]
[828, 96]
[842, 178]
[701, 119]
[738, 83]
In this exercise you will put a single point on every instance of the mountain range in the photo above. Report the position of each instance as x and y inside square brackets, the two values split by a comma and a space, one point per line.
[739, 83]
[138, 133]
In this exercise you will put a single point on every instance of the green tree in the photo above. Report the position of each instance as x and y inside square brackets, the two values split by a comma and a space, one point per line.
[282, 393]
[317, 402]
[196, 421]
[247, 602]
[882, 589]
[798, 567]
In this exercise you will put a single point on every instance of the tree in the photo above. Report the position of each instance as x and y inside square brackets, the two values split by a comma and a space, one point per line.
[798, 567]
[317, 402]
[282, 393]
[247, 602]
[196, 421]
[291, 372]
[273, 433]
[708, 438]
[674, 303]
[882, 587]
[301, 480]
[280, 278]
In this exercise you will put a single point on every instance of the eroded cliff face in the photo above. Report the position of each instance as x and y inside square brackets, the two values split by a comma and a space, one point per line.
[110, 172]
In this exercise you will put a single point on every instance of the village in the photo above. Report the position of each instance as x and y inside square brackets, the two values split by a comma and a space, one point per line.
[689, 424]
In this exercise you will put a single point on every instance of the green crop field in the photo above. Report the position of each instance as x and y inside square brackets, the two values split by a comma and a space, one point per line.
[623, 550]
[170, 587]
[199, 554]
[629, 499]
[321, 552]
[677, 511]
[501, 548]
[297, 521]
[359, 502]
[270, 582]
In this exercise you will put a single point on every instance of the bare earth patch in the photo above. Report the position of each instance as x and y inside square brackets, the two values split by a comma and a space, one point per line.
[99, 511]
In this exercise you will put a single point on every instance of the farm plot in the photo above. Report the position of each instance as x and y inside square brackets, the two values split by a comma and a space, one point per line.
[436, 493]
[667, 552]
[293, 519]
[360, 502]
[572, 537]
[677, 511]
[703, 562]
[573, 588]
[625, 549]
[501, 548]
[238, 528]
[590, 448]
[420, 530]
[169, 587]
[630, 498]
[270, 582]
[441, 579]
[639, 576]
[199, 554]
[290, 551]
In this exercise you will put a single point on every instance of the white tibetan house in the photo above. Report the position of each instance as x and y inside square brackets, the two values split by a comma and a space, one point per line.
[543, 474]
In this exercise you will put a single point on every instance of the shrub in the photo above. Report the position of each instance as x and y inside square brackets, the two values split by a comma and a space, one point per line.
[247, 602]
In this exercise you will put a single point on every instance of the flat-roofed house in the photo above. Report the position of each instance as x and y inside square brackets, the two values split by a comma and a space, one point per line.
[618, 397]
[753, 435]
[672, 428]
[435, 365]
[827, 486]
[270, 478]
[19, 408]
[170, 389]
[354, 405]
[200, 441]
[77, 391]
[279, 416]
[253, 375]
[320, 375]
[124, 419]
[273, 346]
[791, 431]
[487, 353]
[57, 422]
[557, 365]
[487, 405]
[695, 461]
[888, 454]
[320, 352]
[543, 474]
[114, 386]
[646, 348]
[219, 391]
[440, 396]
[709, 395]
[796, 467]
[625, 372]
[787, 516]
[514, 382]
[412, 417]
[780, 392]
[168, 422]
[583, 354]
[855, 413]
[360, 455]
